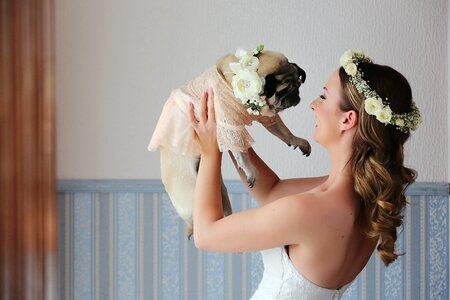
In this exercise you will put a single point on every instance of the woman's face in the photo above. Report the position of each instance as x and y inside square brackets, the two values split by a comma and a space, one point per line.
[329, 116]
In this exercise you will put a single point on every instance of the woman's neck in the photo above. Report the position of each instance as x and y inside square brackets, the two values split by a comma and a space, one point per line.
[340, 171]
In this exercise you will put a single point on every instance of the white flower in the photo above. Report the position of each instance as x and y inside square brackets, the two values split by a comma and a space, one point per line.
[360, 56]
[246, 85]
[242, 52]
[384, 115]
[235, 67]
[249, 62]
[417, 120]
[400, 122]
[346, 58]
[373, 105]
[350, 69]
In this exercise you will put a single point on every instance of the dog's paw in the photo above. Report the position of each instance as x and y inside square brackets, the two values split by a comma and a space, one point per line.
[188, 232]
[251, 181]
[302, 144]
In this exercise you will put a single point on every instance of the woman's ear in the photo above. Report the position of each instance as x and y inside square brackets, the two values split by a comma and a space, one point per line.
[350, 120]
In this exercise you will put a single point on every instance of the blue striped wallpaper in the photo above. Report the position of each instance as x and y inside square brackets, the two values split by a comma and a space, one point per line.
[121, 239]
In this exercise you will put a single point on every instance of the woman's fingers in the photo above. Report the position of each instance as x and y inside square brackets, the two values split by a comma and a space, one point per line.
[203, 109]
[205, 126]
[211, 113]
[206, 109]
[191, 114]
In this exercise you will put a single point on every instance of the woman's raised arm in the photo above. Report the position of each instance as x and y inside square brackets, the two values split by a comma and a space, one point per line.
[268, 186]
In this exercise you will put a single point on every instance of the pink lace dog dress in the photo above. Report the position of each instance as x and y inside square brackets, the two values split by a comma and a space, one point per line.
[175, 132]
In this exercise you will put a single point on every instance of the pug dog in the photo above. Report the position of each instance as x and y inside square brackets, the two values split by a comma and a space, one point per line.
[179, 149]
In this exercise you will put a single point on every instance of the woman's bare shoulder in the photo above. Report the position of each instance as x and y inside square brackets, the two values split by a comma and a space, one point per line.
[334, 206]
[293, 186]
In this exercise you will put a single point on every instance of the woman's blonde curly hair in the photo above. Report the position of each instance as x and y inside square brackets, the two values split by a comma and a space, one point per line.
[380, 178]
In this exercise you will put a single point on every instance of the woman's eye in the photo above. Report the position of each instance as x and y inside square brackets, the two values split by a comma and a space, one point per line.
[322, 96]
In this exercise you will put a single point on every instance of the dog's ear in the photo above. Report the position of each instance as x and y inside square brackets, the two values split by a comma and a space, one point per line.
[300, 71]
[270, 86]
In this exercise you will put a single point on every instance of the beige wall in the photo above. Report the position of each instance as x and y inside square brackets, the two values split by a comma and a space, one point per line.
[118, 60]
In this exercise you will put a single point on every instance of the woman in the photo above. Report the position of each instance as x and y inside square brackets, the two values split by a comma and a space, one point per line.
[318, 233]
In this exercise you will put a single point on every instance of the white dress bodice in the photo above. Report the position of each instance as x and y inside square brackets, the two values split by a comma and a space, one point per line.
[281, 280]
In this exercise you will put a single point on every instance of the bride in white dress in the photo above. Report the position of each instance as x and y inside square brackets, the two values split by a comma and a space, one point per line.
[317, 234]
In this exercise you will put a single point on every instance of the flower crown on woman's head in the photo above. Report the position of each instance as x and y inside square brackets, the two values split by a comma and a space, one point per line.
[373, 103]
[247, 84]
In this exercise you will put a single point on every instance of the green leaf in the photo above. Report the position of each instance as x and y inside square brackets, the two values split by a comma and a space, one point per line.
[260, 48]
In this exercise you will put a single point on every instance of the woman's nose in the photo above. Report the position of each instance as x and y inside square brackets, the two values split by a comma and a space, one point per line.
[313, 104]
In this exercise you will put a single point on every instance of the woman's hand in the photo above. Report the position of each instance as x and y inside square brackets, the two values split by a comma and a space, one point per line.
[206, 127]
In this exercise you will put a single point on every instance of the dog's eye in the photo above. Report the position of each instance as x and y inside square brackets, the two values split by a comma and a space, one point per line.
[322, 96]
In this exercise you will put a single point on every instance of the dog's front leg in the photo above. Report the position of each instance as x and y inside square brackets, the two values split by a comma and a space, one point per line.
[280, 130]
[243, 162]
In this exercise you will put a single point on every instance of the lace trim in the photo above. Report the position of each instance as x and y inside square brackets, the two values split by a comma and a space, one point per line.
[234, 140]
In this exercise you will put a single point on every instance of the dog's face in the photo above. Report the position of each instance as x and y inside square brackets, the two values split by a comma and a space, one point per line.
[281, 90]
[282, 78]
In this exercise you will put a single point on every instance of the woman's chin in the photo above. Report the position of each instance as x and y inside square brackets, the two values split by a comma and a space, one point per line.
[318, 139]
[315, 138]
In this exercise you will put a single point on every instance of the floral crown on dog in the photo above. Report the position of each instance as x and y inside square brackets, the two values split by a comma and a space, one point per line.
[246, 82]
[373, 103]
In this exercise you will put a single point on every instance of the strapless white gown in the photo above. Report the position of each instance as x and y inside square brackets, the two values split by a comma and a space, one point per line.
[281, 280]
